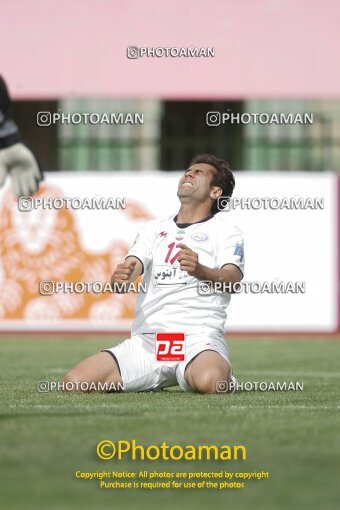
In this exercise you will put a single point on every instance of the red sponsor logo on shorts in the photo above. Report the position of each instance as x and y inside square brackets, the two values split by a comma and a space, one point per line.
[170, 346]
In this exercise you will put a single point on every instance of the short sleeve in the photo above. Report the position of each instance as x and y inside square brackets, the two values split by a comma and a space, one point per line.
[143, 243]
[230, 248]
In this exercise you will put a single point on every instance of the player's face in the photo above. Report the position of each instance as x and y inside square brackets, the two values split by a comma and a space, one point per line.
[195, 182]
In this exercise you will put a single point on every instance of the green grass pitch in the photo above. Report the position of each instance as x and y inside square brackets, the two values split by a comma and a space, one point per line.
[45, 438]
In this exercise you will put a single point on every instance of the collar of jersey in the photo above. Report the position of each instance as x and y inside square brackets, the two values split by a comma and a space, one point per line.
[185, 225]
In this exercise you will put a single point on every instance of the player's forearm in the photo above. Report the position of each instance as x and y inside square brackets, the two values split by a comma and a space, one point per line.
[229, 274]
[138, 268]
[126, 273]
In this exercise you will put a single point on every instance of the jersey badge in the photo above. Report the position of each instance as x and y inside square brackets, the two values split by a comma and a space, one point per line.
[239, 250]
[180, 235]
[200, 237]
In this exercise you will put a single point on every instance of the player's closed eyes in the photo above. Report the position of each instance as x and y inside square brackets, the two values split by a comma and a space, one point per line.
[194, 171]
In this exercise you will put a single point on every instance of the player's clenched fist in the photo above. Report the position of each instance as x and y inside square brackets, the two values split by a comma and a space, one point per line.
[188, 260]
[123, 274]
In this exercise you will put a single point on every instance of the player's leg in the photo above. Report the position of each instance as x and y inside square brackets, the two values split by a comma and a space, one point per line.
[99, 368]
[204, 372]
[130, 366]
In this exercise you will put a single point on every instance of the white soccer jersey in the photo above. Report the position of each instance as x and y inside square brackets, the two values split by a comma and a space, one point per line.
[172, 302]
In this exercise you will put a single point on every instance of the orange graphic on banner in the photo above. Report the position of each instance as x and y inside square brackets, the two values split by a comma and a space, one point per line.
[45, 245]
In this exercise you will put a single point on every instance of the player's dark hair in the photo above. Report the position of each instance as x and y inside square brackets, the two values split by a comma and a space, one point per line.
[223, 177]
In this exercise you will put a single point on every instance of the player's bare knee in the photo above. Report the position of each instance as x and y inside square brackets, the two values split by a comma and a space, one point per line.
[71, 380]
[208, 380]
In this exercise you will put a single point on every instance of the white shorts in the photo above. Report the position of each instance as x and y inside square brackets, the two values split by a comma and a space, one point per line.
[141, 371]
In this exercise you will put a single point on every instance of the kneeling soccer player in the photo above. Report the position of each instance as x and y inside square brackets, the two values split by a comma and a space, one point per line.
[175, 255]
